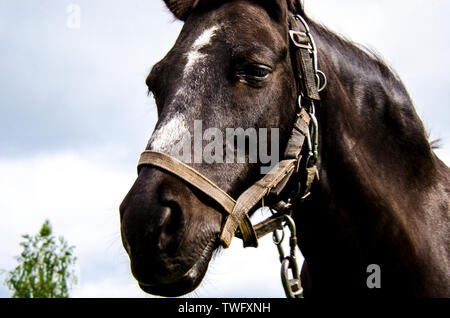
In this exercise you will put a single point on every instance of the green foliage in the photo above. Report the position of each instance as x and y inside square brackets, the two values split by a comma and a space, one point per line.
[45, 268]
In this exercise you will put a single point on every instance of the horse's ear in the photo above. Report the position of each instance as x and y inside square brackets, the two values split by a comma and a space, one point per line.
[181, 8]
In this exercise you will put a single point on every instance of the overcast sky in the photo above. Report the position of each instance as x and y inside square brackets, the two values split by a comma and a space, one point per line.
[75, 115]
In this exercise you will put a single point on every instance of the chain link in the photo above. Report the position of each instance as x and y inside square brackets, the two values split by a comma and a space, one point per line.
[291, 283]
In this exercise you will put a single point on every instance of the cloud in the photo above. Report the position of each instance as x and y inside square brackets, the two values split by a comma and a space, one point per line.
[69, 88]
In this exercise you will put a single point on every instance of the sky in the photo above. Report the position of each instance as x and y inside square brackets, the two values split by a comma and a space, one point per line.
[75, 115]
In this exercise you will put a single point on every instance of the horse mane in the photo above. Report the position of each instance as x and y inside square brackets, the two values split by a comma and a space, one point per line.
[371, 81]
[364, 53]
[182, 8]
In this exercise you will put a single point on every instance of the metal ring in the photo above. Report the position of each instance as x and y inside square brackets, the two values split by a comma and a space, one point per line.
[299, 101]
[324, 83]
[276, 239]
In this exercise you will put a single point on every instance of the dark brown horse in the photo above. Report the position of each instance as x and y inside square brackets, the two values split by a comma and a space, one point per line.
[383, 196]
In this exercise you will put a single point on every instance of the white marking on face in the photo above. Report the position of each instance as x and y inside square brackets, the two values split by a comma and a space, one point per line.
[167, 135]
[194, 55]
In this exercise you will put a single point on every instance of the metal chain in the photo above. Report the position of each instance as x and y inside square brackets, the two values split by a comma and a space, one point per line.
[292, 286]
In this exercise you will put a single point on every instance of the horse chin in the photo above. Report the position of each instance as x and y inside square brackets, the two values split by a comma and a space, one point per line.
[185, 283]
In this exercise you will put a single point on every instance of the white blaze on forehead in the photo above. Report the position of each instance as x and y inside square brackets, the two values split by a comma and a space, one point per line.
[168, 134]
[175, 130]
[194, 55]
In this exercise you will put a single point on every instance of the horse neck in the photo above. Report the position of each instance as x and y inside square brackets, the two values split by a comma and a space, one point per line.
[370, 132]
[376, 165]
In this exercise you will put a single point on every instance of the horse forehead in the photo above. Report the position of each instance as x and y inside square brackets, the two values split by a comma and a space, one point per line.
[234, 32]
[174, 127]
[194, 54]
[233, 24]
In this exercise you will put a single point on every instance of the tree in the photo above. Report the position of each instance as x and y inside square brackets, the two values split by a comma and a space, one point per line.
[45, 268]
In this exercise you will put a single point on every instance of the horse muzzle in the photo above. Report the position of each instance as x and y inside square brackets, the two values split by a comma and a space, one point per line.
[167, 234]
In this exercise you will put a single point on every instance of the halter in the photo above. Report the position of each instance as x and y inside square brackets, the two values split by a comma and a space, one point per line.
[300, 156]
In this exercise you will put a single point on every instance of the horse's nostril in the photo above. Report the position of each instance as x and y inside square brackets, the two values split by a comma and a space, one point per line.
[173, 219]
[171, 222]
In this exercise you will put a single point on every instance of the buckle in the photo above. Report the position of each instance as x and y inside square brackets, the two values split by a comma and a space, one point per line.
[300, 39]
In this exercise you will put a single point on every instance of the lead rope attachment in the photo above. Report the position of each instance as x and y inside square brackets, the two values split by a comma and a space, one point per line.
[292, 284]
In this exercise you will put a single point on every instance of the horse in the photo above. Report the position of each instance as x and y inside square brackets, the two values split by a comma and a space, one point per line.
[381, 196]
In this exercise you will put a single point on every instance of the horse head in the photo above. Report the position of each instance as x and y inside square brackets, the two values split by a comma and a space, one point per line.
[229, 68]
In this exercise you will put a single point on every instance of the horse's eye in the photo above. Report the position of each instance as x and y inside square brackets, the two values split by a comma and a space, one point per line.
[258, 72]
[254, 74]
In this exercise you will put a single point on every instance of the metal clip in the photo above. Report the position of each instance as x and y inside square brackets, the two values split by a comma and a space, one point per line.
[315, 135]
[292, 286]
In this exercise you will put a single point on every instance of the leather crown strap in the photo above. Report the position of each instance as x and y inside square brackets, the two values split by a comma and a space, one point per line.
[273, 182]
